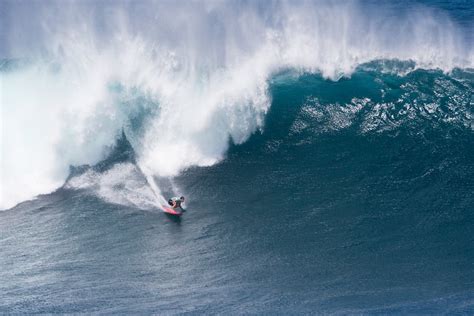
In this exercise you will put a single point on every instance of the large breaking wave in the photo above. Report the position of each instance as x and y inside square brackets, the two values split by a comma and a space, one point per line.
[184, 81]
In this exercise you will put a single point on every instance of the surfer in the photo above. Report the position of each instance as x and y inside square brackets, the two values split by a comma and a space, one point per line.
[176, 202]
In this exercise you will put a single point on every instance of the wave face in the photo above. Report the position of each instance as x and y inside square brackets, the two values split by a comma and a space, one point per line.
[356, 198]
[185, 81]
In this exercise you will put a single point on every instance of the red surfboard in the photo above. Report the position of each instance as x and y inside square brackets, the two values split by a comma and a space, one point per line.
[171, 211]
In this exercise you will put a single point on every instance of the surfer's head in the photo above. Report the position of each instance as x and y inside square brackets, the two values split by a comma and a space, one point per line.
[182, 198]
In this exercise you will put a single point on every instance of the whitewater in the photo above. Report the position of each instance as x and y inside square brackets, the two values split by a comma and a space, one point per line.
[182, 82]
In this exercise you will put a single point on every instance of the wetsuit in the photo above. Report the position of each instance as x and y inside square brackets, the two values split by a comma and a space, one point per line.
[175, 199]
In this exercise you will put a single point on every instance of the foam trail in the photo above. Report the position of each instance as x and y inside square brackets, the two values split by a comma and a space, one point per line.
[156, 191]
[183, 80]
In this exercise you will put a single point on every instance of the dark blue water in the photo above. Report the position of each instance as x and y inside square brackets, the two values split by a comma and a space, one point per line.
[330, 209]
[356, 197]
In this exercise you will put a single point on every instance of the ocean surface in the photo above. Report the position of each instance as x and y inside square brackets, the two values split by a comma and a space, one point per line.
[325, 150]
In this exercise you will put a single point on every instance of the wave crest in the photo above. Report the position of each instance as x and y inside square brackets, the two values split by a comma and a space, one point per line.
[182, 81]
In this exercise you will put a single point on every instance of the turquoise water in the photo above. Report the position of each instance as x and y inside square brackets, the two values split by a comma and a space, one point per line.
[354, 196]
